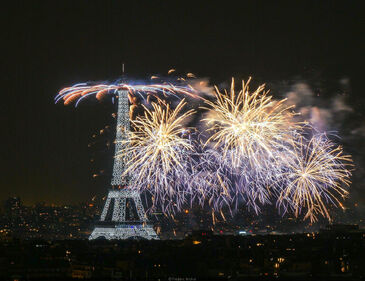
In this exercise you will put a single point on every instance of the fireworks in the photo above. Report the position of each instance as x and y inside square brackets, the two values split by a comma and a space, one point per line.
[260, 155]
[247, 125]
[255, 153]
[316, 173]
[81, 91]
[158, 154]
[249, 130]
[211, 181]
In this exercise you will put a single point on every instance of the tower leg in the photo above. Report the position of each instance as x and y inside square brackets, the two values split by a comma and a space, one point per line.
[140, 210]
[122, 208]
[120, 228]
[116, 210]
[105, 209]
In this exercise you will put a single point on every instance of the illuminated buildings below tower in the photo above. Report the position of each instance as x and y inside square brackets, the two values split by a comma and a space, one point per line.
[13, 205]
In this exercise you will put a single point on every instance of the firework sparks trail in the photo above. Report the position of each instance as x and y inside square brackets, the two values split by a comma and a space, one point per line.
[161, 92]
[248, 125]
[159, 155]
[316, 174]
[210, 180]
[256, 152]
[81, 91]
[256, 185]
[220, 184]
[249, 130]
[266, 156]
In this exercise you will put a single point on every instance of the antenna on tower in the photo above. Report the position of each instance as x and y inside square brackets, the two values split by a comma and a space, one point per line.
[122, 68]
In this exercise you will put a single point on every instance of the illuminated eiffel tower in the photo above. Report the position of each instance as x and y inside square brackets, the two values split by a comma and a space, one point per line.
[114, 223]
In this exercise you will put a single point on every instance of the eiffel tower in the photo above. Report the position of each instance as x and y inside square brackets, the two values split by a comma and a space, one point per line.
[121, 201]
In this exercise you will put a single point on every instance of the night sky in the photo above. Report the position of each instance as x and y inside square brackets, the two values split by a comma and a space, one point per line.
[53, 44]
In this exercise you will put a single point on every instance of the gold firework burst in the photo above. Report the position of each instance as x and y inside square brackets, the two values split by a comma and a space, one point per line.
[157, 144]
[317, 175]
[248, 125]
